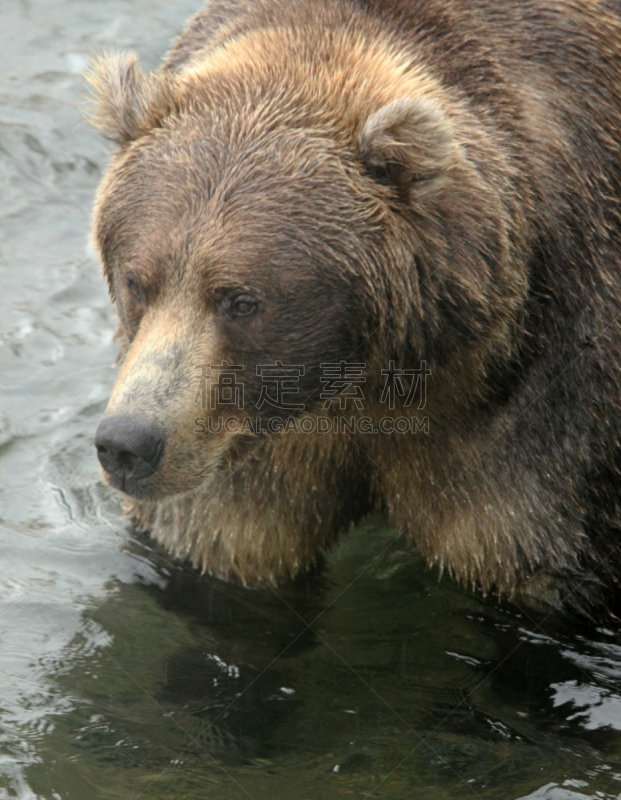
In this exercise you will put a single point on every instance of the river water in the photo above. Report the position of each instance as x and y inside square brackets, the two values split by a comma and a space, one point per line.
[124, 674]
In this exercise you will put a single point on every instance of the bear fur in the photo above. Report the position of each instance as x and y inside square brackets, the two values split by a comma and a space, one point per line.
[391, 181]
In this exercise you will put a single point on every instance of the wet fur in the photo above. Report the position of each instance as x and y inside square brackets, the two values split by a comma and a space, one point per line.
[489, 246]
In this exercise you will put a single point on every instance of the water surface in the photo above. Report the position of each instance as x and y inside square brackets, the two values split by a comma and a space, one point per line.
[124, 674]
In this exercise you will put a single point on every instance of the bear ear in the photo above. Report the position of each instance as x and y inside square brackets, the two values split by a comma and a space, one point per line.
[125, 101]
[410, 144]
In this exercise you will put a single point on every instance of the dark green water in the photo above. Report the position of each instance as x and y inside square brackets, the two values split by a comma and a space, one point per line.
[124, 674]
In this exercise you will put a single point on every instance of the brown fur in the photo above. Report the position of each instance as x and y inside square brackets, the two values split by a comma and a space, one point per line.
[394, 180]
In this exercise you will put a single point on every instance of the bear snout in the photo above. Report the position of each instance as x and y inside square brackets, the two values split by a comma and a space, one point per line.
[128, 451]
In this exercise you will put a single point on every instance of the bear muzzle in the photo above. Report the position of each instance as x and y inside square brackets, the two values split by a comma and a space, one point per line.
[128, 451]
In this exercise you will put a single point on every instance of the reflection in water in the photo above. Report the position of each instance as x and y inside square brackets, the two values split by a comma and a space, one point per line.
[125, 675]
[349, 681]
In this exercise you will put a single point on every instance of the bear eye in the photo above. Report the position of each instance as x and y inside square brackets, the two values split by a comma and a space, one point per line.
[135, 288]
[242, 305]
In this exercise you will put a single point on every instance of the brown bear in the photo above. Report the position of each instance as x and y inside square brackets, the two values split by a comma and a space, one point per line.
[315, 208]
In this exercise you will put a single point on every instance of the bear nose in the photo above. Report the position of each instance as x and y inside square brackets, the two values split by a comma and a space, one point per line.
[127, 450]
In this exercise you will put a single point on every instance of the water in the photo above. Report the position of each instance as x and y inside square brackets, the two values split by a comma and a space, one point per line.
[124, 674]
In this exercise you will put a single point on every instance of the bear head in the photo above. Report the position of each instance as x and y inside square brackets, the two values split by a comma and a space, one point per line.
[289, 200]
